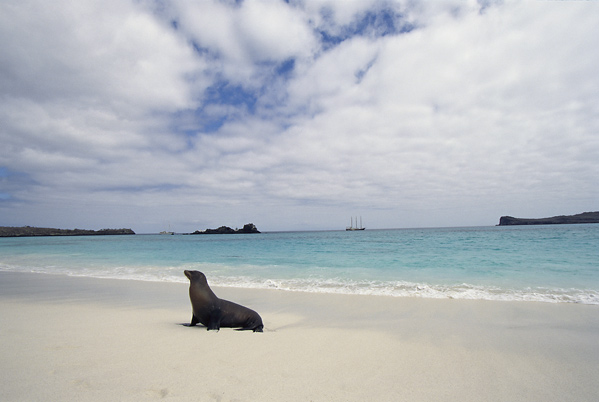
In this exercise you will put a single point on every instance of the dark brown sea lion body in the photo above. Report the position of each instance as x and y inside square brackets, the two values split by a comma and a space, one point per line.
[215, 313]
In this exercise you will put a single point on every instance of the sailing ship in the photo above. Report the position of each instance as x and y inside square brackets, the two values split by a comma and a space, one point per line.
[352, 228]
[167, 232]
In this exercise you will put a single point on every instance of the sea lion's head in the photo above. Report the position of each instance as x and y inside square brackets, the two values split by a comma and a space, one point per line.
[196, 277]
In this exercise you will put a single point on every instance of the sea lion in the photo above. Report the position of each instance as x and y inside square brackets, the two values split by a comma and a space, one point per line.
[209, 310]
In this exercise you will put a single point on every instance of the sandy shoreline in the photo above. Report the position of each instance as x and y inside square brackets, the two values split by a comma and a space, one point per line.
[64, 338]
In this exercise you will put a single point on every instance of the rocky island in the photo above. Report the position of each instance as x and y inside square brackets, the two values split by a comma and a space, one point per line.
[585, 217]
[247, 228]
[29, 231]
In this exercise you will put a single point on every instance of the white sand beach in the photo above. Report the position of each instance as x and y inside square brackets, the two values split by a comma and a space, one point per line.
[67, 338]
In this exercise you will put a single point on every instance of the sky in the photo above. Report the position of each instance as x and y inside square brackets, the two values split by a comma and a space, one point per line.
[296, 115]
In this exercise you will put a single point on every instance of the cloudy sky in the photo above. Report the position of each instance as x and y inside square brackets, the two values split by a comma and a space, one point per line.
[296, 115]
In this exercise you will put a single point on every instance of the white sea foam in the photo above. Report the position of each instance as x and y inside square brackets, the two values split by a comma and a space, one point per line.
[332, 286]
[408, 289]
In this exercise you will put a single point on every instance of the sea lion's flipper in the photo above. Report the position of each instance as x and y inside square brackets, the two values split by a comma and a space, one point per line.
[194, 320]
[214, 320]
[251, 328]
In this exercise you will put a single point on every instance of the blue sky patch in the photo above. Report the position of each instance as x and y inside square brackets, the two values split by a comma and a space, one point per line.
[361, 73]
[212, 125]
[285, 68]
[223, 93]
[376, 23]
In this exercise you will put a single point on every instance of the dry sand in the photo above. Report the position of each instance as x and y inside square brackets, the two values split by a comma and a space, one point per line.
[64, 338]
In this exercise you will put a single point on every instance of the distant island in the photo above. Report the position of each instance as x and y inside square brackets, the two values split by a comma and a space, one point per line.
[29, 231]
[247, 228]
[585, 217]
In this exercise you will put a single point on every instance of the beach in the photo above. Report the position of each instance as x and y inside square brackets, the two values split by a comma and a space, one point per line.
[86, 339]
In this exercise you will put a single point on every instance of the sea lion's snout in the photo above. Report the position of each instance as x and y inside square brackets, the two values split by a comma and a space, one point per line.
[195, 276]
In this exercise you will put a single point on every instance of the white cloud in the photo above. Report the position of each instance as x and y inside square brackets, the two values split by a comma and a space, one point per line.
[110, 50]
[245, 35]
[333, 77]
[274, 31]
[469, 116]
[81, 80]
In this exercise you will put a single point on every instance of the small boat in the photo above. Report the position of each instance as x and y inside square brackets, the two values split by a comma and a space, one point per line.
[352, 228]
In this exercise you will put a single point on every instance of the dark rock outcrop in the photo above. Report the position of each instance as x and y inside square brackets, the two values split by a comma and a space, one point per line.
[28, 231]
[220, 230]
[247, 228]
[585, 217]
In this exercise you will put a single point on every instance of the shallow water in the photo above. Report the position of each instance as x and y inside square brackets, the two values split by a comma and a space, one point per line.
[554, 263]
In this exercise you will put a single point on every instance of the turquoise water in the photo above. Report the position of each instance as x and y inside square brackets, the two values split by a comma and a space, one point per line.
[554, 263]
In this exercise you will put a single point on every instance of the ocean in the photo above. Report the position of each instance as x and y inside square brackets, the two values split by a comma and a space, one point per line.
[549, 263]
